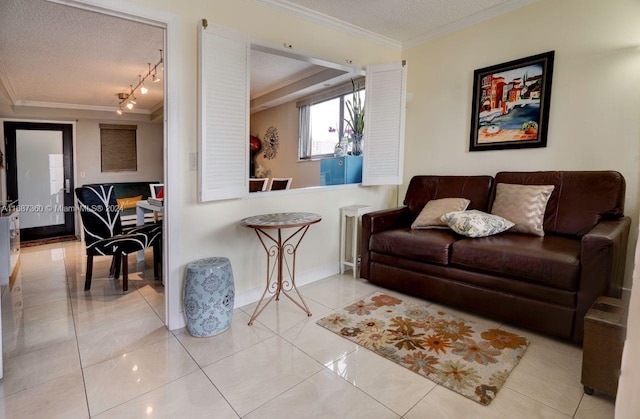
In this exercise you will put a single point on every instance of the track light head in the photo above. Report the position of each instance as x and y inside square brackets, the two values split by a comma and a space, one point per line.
[129, 105]
[119, 111]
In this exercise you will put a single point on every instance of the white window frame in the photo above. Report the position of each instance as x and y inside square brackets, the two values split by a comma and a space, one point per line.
[340, 128]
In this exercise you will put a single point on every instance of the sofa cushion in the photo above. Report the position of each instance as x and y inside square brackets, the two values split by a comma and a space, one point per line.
[579, 201]
[525, 205]
[476, 223]
[432, 212]
[549, 260]
[422, 189]
[432, 246]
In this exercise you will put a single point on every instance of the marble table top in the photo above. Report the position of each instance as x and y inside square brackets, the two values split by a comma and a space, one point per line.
[281, 220]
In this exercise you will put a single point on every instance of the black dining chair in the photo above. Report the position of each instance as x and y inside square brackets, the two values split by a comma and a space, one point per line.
[104, 235]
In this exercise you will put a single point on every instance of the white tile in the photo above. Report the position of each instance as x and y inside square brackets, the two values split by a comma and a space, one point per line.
[49, 283]
[113, 382]
[106, 343]
[61, 398]
[596, 406]
[111, 315]
[394, 386]
[256, 375]
[206, 350]
[84, 302]
[192, 396]
[20, 336]
[338, 291]
[442, 403]
[284, 314]
[323, 396]
[549, 376]
[37, 367]
[321, 344]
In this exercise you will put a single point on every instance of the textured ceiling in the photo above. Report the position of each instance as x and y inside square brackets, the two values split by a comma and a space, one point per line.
[62, 55]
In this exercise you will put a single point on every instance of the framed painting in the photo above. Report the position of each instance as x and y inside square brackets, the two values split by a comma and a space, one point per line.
[510, 106]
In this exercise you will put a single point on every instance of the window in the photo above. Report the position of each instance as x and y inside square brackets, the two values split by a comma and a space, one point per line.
[223, 151]
[321, 123]
[118, 148]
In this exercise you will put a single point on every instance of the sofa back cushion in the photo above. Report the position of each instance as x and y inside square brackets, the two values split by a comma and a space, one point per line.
[579, 201]
[422, 189]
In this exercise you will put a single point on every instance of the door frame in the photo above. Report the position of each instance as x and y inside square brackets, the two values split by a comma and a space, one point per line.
[171, 266]
[68, 141]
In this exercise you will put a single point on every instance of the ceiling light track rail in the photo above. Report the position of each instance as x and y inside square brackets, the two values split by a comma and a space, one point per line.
[129, 98]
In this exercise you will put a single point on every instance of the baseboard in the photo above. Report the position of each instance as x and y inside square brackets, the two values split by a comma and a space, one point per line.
[253, 295]
[308, 277]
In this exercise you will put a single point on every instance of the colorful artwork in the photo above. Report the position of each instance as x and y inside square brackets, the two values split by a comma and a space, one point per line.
[511, 104]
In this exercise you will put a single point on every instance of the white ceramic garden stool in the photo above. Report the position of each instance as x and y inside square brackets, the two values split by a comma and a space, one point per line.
[353, 212]
[208, 296]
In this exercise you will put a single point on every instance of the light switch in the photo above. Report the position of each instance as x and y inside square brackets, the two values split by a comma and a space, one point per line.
[193, 162]
[83, 175]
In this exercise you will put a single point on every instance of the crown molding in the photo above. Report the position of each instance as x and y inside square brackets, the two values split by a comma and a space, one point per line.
[325, 20]
[322, 19]
[460, 24]
[75, 106]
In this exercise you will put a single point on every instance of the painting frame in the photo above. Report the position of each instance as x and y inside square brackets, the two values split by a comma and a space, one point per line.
[510, 108]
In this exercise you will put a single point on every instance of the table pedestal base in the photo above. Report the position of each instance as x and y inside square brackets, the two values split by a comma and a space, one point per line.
[277, 262]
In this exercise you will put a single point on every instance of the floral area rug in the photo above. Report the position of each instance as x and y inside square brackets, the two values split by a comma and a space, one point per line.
[462, 355]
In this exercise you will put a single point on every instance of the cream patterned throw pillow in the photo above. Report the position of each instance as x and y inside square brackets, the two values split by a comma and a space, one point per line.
[525, 205]
[432, 212]
[476, 223]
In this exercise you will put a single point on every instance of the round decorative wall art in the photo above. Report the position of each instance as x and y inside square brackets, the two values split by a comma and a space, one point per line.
[271, 143]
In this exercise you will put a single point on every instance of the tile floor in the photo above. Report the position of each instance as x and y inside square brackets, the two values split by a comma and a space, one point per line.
[105, 354]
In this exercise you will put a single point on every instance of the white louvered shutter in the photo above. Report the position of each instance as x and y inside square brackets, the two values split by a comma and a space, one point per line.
[223, 114]
[385, 98]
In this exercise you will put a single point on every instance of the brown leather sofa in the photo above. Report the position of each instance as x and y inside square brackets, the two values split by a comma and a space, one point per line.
[543, 283]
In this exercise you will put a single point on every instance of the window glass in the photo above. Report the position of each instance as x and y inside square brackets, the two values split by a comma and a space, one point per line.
[326, 126]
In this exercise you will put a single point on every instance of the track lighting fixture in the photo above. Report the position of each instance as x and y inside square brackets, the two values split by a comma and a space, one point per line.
[130, 97]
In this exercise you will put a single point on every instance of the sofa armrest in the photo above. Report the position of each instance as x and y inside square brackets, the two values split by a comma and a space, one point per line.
[375, 222]
[603, 258]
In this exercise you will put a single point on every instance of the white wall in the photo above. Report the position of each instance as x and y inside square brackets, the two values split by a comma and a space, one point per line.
[594, 122]
[213, 228]
[149, 143]
[285, 118]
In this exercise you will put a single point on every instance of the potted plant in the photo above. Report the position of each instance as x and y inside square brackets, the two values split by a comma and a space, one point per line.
[355, 122]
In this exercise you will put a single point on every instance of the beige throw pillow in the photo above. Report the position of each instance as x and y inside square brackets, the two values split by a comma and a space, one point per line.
[525, 205]
[430, 215]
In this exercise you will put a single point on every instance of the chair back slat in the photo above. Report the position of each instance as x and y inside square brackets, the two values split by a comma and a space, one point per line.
[99, 212]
